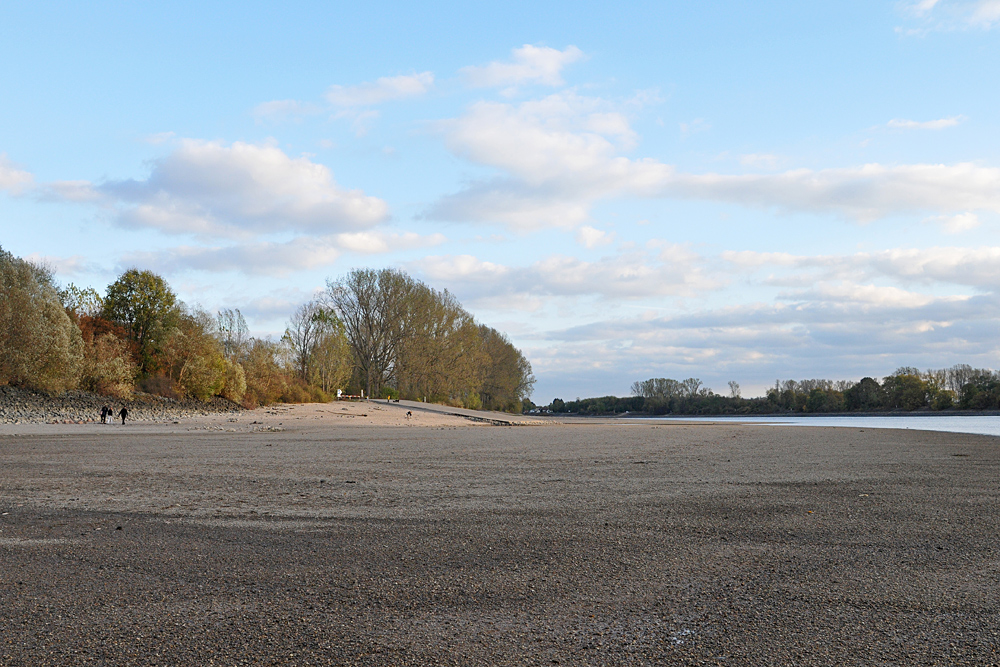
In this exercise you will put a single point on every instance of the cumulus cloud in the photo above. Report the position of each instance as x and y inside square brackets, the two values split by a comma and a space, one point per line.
[528, 64]
[278, 258]
[66, 266]
[554, 160]
[939, 124]
[211, 189]
[13, 179]
[867, 192]
[589, 237]
[842, 333]
[672, 270]
[956, 224]
[977, 267]
[383, 89]
[72, 191]
[557, 155]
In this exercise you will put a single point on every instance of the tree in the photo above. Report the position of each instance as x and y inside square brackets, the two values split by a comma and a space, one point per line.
[265, 381]
[301, 335]
[81, 301]
[734, 389]
[372, 305]
[865, 395]
[40, 346]
[508, 378]
[233, 332]
[905, 390]
[193, 357]
[440, 354]
[331, 354]
[144, 305]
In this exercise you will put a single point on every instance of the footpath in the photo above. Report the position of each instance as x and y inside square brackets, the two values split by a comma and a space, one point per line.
[495, 418]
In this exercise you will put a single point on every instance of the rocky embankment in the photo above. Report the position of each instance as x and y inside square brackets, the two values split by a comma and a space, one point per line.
[22, 406]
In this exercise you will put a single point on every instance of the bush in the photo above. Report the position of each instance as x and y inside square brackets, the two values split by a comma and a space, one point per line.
[158, 385]
[235, 382]
[108, 367]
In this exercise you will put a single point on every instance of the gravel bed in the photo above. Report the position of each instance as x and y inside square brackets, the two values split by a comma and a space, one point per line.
[569, 545]
[23, 406]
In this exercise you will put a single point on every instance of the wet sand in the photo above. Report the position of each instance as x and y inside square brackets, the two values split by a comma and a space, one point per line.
[314, 535]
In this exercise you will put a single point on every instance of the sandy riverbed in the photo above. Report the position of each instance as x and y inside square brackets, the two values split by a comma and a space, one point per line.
[317, 535]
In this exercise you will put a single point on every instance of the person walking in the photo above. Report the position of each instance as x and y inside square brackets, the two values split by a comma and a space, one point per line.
[104, 414]
[123, 414]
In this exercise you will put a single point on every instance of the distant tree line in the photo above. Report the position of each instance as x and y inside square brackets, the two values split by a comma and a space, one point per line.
[379, 332]
[907, 389]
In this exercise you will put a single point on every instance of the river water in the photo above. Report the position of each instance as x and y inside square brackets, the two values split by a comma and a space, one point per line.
[981, 424]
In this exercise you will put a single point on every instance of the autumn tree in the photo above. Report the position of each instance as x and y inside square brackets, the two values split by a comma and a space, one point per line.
[142, 303]
[507, 377]
[40, 346]
[441, 353]
[372, 304]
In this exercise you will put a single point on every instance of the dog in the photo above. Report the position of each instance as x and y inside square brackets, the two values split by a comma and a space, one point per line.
[408, 414]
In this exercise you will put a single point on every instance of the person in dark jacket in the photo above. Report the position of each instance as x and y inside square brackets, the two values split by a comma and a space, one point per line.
[123, 414]
[104, 414]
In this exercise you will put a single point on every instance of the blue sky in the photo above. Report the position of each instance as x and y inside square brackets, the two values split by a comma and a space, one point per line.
[725, 190]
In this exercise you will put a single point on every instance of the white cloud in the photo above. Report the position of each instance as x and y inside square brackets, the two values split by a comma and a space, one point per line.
[529, 64]
[278, 258]
[846, 292]
[65, 266]
[589, 237]
[864, 193]
[159, 138]
[555, 160]
[694, 127]
[12, 178]
[267, 258]
[211, 189]
[277, 110]
[760, 160]
[672, 271]
[946, 14]
[74, 191]
[956, 224]
[361, 119]
[383, 89]
[966, 267]
[939, 124]
[986, 13]
[923, 7]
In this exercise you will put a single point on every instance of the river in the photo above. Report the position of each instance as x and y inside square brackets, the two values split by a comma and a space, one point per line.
[981, 424]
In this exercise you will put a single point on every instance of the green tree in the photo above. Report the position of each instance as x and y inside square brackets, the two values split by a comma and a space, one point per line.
[142, 303]
[507, 376]
[905, 390]
[865, 395]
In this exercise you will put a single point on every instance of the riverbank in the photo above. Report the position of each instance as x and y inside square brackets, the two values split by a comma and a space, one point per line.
[23, 406]
[334, 540]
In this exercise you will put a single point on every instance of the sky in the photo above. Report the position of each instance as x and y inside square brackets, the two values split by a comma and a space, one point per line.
[723, 190]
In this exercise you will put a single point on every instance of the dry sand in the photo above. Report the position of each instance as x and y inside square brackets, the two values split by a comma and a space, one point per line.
[315, 535]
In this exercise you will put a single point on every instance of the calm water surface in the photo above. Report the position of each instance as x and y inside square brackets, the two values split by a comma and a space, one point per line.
[985, 425]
